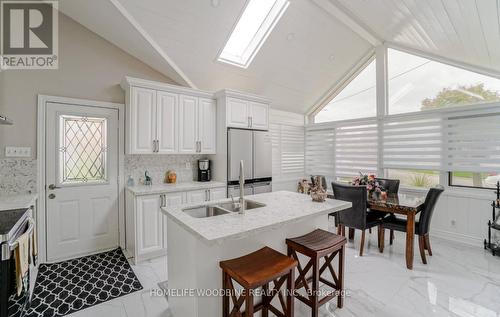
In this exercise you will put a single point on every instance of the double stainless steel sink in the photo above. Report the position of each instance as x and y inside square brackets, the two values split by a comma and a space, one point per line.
[220, 209]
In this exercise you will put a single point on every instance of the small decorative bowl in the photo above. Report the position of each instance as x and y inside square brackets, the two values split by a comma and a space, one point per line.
[318, 196]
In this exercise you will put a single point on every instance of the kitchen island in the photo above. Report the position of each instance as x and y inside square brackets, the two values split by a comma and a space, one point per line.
[196, 243]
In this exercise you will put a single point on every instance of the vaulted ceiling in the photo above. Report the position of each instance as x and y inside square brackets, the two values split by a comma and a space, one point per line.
[313, 46]
[307, 52]
[467, 31]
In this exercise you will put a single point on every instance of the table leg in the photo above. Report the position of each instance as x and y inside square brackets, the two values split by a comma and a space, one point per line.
[410, 235]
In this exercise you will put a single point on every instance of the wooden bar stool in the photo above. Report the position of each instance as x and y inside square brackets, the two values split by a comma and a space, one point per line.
[316, 245]
[258, 269]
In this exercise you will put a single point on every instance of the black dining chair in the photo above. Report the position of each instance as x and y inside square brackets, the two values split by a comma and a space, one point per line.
[392, 187]
[323, 181]
[356, 217]
[422, 226]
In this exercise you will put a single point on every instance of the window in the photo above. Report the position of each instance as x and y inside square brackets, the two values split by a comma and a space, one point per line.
[255, 24]
[340, 151]
[414, 178]
[357, 100]
[417, 84]
[469, 179]
[82, 150]
[473, 148]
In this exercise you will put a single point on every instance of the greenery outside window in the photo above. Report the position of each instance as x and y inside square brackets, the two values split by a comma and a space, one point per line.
[414, 178]
[475, 180]
[419, 84]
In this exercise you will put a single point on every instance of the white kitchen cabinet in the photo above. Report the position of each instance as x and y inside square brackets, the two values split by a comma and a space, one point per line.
[170, 200]
[149, 225]
[237, 113]
[146, 224]
[188, 125]
[207, 125]
[166, 120]
[217, 193]
[259, 114]
[196, 196]
[197, 125]
[142, 122]
[247, 114]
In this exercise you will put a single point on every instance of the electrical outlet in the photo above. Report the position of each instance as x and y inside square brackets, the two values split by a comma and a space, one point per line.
[188, 165]
[13, 151]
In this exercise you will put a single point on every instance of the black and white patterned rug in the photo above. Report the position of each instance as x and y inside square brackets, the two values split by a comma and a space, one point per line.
[66, 287]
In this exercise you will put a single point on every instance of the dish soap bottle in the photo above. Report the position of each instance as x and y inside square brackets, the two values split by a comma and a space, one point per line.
[130, 181]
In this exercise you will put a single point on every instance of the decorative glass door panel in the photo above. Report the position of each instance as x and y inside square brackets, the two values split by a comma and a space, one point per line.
[82, 150]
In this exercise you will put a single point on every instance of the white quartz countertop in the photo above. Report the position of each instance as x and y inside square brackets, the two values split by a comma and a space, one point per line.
[17, 201]
[282, 207]
[170, 188]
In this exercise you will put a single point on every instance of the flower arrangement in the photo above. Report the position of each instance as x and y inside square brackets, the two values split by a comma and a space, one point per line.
[369, 181]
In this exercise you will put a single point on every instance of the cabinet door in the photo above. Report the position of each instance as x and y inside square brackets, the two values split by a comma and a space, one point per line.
[237, 113]
[149, 224]
[207, 125]
[217, 193]
[142, 121]
[171, 200]
[259, 112]
[166, 119]
[196, 196]
[188, 124]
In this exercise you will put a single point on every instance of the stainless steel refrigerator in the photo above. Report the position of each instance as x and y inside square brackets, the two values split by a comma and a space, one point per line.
[254, 148]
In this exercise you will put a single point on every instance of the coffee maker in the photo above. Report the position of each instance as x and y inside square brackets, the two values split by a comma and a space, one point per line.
[204, 170]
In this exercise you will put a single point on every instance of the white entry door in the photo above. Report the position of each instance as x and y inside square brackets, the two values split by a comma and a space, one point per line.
[81, 180]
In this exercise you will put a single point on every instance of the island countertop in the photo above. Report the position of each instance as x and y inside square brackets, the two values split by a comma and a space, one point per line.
[281, 208]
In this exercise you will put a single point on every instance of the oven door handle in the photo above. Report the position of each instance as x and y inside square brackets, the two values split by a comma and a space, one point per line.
[30, 229]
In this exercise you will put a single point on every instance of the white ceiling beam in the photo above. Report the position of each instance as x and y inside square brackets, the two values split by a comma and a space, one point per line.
[152, 42]
[347, 18]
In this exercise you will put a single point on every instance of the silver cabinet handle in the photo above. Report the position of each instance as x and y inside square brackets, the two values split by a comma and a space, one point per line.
[154, 146]
[163, 200]
[251, 122]
[200, 146]
[248, 119]
[157, 146]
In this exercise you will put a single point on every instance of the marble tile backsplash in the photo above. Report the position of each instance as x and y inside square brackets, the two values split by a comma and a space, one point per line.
[17, 176]
[158, 165]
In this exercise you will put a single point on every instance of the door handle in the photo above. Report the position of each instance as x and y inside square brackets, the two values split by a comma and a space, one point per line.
[52, 187]
[52, 196]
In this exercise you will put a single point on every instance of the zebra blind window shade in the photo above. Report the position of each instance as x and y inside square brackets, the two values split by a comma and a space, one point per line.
[356, 147]
[413, 143]
[320, 155]
[342, 150]
[473, 143]
[288, 145]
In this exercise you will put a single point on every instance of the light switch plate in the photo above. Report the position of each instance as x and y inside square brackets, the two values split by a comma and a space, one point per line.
[14, 151]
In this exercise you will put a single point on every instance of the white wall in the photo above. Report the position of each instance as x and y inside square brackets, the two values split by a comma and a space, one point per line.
[89, 67]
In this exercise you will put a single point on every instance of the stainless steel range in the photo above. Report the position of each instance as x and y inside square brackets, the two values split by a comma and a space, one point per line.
[13, 224]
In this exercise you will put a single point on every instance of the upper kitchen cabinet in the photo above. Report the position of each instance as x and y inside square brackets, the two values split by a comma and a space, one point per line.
[244, 110]
[197, 121]
[142, 121]
[167, 119]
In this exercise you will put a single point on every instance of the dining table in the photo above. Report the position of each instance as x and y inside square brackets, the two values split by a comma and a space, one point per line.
[408, 205]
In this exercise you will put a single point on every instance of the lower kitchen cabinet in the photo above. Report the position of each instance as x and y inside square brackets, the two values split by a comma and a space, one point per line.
[146, 225]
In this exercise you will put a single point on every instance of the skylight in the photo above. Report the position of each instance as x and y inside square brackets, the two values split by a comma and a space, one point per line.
[254, 26]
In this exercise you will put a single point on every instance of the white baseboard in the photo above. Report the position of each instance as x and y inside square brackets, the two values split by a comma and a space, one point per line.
[457, 237]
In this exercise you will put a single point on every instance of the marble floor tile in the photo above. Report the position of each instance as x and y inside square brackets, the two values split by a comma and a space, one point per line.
[459, 281]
